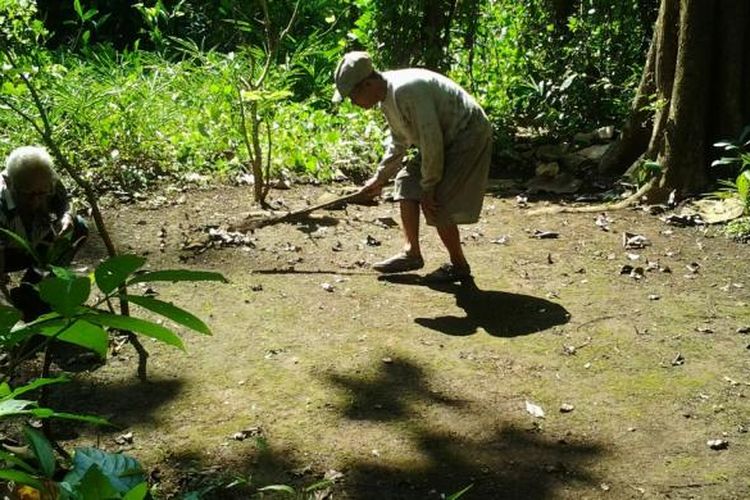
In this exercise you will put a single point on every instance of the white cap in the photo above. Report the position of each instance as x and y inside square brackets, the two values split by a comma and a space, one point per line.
[353, 68]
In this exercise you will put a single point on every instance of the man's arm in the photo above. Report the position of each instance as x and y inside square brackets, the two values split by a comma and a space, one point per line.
[60, 206]
[390, 164]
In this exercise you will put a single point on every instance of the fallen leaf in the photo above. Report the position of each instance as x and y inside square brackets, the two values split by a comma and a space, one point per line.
[126, 438]
[544, 235]
[371, 241]
[717, 444]
[534, 410]
[633, 241]
[602, 221]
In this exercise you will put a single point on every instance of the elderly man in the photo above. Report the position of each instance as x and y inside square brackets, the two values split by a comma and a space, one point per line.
[454, 137]
[34, 205]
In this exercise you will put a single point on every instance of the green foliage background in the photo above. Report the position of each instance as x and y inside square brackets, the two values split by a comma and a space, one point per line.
[148, 91]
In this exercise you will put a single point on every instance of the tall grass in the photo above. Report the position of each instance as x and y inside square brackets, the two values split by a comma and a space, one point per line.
[132, 117]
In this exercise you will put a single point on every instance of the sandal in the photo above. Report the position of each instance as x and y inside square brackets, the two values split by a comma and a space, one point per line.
[399, 263]
[448, 273]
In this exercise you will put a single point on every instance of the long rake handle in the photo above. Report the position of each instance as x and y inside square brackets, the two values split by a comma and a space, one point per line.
[298, 214]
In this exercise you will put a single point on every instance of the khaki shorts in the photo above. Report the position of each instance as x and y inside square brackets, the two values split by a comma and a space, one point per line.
[460, 193]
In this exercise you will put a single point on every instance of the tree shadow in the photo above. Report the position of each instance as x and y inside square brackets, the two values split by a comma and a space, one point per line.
[389, 395]
[498, 459]
[122, 403]
[500, 314]
[510, 464]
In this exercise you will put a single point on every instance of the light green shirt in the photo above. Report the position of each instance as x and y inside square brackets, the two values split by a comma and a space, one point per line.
[426, 110]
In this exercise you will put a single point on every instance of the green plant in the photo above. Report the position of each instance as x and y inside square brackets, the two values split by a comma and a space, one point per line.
[88, 22]
[36, 472]
[737, 158]
[75, 320]
[738, 229]
[643, 172]
[91, 474]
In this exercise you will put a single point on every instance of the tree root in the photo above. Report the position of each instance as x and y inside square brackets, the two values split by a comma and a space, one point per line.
[631, 200]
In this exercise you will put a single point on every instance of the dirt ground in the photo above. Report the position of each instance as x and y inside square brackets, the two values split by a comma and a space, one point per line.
[317, 368]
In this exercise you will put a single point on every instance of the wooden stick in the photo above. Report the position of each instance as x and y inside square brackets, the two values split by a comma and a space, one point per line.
[250, 225]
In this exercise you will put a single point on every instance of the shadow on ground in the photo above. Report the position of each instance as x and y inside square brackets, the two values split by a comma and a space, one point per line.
[123, 403]
[500, 314]
[500, 462]
[390, 394]
[440, 457]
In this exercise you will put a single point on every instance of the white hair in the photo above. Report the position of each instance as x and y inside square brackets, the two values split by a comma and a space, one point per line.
[29, 158]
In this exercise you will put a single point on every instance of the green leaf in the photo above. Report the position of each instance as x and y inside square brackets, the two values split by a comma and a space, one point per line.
[137, 493]
[319, 485]
[136, 325]
[172, 312]
[80, 332]
[123, 472]
[78, 9]
[9, 316]
[65, 295]
[34, 385]
[459, 494]
[22, 243]
[42, 450]
[743, 185]
[95, 484]
[62, 272]
[89, 419]
[279, 487]
[21, 478]
[14, 460]
[175, 275]
[15, 407]
[115, 270]
[23, 331]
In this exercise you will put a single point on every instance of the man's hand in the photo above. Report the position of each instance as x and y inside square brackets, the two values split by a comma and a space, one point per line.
[429, 205]
[372, 187]
[66, 223]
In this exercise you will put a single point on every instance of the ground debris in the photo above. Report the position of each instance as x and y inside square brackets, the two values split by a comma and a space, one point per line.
[386, 222]
[636, 273]
[678, 360]
[602, 222]
[534, 410]
[566, 408]
[684, 220]
[126, 438]
[544, 235]
[371, 241]
[717, 444]
[214, 236]
[248, 433]
[632, 241]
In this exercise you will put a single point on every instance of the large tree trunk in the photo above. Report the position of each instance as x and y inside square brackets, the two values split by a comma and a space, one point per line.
[698, 70]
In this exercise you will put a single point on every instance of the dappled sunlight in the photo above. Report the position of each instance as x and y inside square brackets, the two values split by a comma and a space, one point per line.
[471, 445]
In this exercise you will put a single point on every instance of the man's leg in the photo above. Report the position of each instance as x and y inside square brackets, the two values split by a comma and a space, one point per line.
[410, 227]
[410, 258]
[452, 241]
